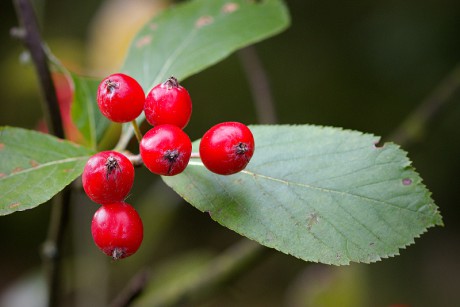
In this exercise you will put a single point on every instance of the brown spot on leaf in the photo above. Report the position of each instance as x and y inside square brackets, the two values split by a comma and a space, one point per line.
[153, 26]
[407, 181]
[34, 163]
[2, 146]
[2, 175]
[144, 40]
[230, 7]
[16, 170]
[68, 170]
[204, 21]
[14, 205]
[312, 219]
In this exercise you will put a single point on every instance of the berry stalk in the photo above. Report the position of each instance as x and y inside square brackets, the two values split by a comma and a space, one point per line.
[137, 131]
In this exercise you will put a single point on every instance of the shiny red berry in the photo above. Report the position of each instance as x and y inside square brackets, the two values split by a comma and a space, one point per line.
[108, 177]
[120, 98]
[117, 230]
[168, 103]
[227, 148]
[165, 150]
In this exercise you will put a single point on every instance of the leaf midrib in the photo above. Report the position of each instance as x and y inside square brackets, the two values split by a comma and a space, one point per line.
[312, 187]
[44, 165]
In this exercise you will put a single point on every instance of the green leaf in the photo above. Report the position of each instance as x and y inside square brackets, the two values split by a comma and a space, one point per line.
[321, 194]
[34, 167]
[189, 37]
[85, 112]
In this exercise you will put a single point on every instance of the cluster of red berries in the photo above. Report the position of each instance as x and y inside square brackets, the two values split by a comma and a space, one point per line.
[165, 150]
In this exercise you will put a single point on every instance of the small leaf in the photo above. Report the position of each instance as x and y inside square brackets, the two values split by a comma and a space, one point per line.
[34, 167]
[321, 194]
[85, 112]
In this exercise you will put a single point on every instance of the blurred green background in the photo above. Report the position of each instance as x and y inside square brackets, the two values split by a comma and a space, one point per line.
[363, 65]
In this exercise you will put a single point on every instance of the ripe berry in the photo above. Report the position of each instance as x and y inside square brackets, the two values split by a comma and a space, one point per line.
[117, 230]
[227, 148]
[108, 177]
[165, 150]
[168, 103]
[120, 98]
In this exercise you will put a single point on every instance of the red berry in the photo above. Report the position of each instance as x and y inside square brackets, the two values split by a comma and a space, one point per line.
[168, 103]
[166, 150]
[227, 148]
[108, 177]
[120, 98]
[117, 230]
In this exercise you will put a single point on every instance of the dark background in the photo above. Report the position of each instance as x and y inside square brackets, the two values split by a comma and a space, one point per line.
[363, 65]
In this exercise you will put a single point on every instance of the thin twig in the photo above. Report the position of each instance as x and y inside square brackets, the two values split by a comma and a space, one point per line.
[259, 85]
[52, 247]
[30, 36]
[221, 270]
[419, 119]
[134, 288]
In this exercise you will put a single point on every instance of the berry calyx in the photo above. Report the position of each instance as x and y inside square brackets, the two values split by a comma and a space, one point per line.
[165, 150]
[108, 177]
[120, 98]
[117, 230]
[168, 103]
[227, 148]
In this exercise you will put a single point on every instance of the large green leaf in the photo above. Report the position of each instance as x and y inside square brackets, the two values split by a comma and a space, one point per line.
[34, 167]
[85, 112]
[187, 38]
[321, 194]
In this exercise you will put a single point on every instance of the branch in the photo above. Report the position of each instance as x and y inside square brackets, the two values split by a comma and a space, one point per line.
[30, 36]
[259, 84]
[230, 264]
[418, 120]
[134, 288]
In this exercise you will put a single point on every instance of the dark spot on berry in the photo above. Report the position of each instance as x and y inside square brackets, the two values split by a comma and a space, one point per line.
[111, 85]
[241, 148]
[111, 164]
[118, 253]
[171, 83]
[171, 156]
